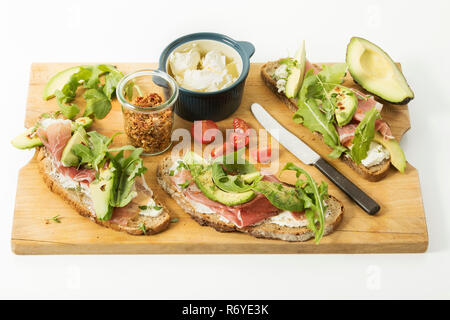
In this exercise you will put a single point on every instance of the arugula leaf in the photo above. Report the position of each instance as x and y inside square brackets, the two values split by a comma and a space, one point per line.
[97, 96]
[282, 197]
[320, 118]
[313, 197]
[96, 103]
[364, 133]
[68, 110]
[127, 169]
[94, 154]
[310, 115]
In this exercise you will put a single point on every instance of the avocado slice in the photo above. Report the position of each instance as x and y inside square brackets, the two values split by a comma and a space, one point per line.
[58, 81]
[205, 183]
[26, 140]
[84, 122]
[68, 158]
[295, 79]
[346, 104]
[398, 159]
[375, 71]
[101, 191]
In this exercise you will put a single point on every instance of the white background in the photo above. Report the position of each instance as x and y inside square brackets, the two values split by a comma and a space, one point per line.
[415, 33]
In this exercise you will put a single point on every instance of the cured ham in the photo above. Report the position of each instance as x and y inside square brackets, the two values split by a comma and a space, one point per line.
[365, 104]
[78, 175]
[122, 215]
[55, 138]
[346, 133]
[242, 215]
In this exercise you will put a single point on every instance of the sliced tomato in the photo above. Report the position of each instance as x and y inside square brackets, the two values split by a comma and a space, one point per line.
[227, 147]
[239, 139]
[262, 155]
[240, 125]
[199, 131]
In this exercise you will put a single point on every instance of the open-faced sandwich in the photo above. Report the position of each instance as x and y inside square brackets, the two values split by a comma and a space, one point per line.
[348, 120]
[230, 194]
[98, 181]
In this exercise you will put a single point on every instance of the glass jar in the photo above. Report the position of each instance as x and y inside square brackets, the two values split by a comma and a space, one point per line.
[147, 98]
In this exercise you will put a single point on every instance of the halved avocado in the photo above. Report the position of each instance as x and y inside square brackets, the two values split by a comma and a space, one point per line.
[26, 140]
[295, 79]
[57, 82]
[398, 159]
[375, 71]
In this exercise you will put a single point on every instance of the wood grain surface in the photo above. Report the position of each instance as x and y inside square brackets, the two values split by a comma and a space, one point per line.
[400, 226]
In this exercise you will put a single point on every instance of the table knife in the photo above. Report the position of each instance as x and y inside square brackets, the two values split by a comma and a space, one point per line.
[308, 156]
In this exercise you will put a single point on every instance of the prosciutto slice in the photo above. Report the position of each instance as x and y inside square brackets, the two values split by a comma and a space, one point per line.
[346, 133]
[243, 215]
[365, 104]
[55, 138]
[122, 215]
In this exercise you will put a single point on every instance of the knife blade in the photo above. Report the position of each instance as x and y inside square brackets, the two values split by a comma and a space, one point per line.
[308, 156]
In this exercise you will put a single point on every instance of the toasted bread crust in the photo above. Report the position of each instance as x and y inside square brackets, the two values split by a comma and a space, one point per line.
[373, 173]
[80, 203]
[264, 230]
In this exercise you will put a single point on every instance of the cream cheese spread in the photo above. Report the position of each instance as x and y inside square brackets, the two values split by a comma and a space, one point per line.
[151, 210]
[376, 154]
[285, 219]
[280, 75]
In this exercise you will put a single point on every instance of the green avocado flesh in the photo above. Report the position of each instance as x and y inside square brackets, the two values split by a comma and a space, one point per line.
[375, 71]
[295, 79]
[24, 141]
[205, 183]
[57, 82]
[346, 104]
[85, 122]
[398, 159]
[101, 191]
[68, 158]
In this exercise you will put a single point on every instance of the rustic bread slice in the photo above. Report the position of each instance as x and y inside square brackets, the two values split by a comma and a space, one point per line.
[83, 203]
[373, 173]
[263, 230]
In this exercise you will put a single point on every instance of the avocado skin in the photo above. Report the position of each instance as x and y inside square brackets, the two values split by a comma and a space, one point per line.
[361, 83]
[205, 183]
[401, 103]
[101, 192]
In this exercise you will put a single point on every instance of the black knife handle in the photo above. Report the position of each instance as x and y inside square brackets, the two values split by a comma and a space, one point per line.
[356, 194]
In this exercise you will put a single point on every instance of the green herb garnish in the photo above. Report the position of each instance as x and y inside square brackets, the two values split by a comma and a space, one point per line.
[185, 184]
[174, 220]
[143, 228]
[56, 219]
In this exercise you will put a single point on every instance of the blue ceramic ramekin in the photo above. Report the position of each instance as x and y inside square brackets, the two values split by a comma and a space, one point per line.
[217, 105]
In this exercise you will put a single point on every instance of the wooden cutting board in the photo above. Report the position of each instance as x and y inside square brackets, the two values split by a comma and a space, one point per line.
[399, 227]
